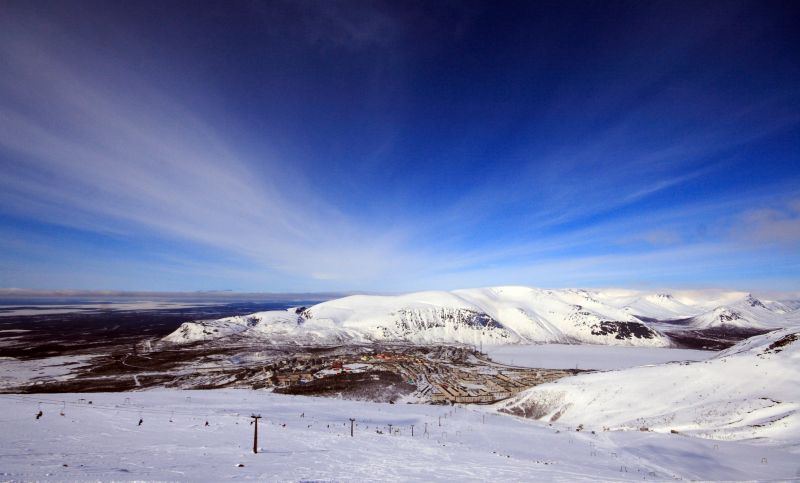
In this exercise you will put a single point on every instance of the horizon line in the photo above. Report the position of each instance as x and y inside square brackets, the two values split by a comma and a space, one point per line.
[14, 292]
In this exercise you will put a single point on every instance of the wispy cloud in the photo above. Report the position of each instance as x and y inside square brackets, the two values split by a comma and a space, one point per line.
[83, 151]
[775, 225]
[93, 141]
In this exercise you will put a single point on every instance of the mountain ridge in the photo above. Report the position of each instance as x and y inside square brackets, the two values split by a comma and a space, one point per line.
[501, 315]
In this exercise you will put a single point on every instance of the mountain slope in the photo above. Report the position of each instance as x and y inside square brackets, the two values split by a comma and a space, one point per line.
[749, 312]
[748, 391]
[492, 315]
[308, 439]
[499, 315]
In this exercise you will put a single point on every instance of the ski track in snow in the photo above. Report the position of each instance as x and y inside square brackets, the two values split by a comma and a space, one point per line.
[103, 441]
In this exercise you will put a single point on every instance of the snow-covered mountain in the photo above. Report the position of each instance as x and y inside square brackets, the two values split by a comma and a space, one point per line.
[748, 391]
[749, 312]
[499, 315]
[705, 309]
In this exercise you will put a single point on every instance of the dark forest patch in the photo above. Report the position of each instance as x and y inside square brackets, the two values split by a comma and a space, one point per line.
[716, 338]
[379, 386]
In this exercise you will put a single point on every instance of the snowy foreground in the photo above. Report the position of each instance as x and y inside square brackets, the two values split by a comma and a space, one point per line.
[103, 441]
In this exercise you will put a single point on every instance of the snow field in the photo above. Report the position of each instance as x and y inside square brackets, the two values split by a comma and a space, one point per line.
[15, 372]
[750, 391]
[103, 441]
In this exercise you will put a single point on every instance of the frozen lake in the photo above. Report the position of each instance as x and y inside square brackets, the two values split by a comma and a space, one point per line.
[562, 356]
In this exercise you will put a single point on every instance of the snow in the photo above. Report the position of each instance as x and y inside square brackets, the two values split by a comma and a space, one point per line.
[357, 367]
[102, 441]
[500, 315]
[747, 312]
[14, 372]
[562, 356]
[749, 391]
[277, 325]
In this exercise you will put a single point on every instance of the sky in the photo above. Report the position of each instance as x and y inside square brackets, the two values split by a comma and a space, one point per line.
[394, 146]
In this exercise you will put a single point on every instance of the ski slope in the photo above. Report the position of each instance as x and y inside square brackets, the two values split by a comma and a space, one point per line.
[103, 441]
[750, 391]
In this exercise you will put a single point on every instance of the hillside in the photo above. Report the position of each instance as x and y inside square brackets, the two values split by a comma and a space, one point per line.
[748, 391]
[308, 439]
[500, 315]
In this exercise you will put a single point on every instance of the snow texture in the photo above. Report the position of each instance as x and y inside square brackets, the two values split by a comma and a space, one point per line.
[308, 439]
[750, 391]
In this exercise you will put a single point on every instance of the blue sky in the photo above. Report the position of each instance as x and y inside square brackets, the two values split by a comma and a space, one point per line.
[392, 146]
